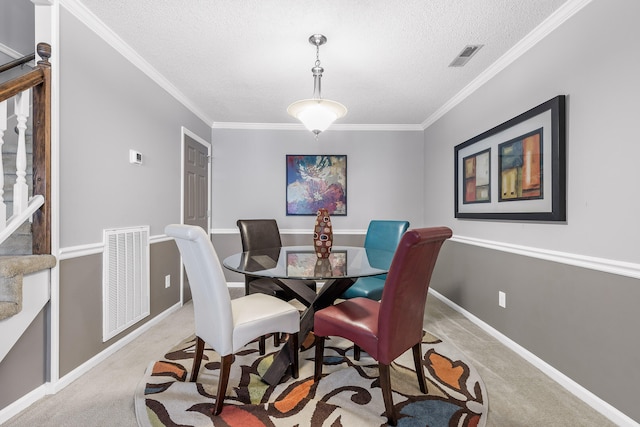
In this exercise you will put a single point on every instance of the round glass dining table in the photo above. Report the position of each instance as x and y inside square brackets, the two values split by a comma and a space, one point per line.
[339, 271]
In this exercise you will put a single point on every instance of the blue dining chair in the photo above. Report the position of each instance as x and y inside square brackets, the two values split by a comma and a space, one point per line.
[384, 235]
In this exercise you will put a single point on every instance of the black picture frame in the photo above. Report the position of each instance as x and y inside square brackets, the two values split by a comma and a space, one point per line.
[525, 174]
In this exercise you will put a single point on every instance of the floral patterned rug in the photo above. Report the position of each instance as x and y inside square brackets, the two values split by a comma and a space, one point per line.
[349, 394]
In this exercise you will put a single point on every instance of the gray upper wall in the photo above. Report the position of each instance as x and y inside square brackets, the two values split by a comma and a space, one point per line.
[108, 106]
[17, 26]
[385, 178]
[590, 59]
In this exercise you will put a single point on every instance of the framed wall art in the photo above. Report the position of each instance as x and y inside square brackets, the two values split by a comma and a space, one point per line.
[515, 171]
[316, 181]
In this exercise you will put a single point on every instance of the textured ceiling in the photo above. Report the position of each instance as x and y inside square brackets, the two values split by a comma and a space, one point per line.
[386, 60]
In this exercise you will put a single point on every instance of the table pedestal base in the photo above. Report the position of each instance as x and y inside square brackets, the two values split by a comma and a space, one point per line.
[331, 291]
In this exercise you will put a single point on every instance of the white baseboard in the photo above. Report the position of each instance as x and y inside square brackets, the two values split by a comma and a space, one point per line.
[95, 360]
[573, 387]
[23, 403]
[51, 388]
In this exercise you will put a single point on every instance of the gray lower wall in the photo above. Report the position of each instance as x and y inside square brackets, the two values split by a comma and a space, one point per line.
[81, 302]
[25, 368]
[579, 321]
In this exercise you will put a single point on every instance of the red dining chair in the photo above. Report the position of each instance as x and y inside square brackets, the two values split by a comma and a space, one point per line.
[386, 329]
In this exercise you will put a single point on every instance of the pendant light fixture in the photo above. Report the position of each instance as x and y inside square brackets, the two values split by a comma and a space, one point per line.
[317, 114]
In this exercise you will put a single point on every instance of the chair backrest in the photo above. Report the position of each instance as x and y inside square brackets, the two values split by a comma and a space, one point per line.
[384, 235]
[257, 234]
[404, 296]
[211, 300]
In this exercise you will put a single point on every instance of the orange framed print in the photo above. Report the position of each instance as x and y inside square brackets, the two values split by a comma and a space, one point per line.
[516, 170]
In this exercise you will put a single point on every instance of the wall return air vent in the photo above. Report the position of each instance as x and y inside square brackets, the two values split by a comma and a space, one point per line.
[466, 54]
[125, 281]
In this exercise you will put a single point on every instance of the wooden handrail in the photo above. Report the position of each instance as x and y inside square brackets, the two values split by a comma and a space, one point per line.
[21, 83]
[40, 80]
[17, 62]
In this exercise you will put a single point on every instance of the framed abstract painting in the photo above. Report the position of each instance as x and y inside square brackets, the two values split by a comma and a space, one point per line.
[316, 181]
[515, 171]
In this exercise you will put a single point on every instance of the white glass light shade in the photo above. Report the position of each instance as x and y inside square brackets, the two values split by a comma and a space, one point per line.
[317, 114]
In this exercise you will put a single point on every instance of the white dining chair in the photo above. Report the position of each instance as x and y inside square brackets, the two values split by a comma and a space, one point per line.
[224, 324]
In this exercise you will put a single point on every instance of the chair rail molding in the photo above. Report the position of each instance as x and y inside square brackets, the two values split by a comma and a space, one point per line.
[620, 268]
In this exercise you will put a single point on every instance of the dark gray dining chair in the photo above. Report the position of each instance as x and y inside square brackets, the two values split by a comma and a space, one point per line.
[260, 234]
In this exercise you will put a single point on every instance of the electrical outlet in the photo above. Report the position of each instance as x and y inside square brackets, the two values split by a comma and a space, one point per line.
[502, 299]
[167, 281]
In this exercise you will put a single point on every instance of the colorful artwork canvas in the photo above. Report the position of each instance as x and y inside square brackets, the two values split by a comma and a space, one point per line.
[521, 167]
[315, 182]
[477, 178]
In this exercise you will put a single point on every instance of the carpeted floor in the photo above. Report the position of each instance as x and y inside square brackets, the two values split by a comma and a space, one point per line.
[520, 394]
[348, 394]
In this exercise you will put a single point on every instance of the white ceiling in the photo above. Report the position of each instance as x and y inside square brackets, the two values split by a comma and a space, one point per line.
[386, 60]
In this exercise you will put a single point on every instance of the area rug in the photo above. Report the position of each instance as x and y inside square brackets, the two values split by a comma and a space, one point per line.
[348, 395]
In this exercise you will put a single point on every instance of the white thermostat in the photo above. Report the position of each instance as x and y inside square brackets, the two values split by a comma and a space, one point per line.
[135, 157]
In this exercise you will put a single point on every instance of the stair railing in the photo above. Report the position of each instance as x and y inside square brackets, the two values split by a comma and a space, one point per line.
[37, 83]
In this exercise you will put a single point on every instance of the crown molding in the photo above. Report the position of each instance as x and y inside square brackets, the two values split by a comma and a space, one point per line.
[556, 19]
[87, 17]
[299, 127]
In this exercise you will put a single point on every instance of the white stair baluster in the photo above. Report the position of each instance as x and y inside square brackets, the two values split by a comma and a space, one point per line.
[3, 128]
[20, 189]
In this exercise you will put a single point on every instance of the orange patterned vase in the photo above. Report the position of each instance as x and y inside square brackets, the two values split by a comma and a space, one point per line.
[323, 234]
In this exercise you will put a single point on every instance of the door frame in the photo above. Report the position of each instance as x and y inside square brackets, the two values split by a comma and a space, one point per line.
[186, 132]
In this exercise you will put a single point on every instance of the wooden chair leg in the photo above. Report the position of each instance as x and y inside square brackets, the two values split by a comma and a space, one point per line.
[262, 345]
[276, 339]
[225, 367]
[385, 383]
[417, 360]
[317, 371]
[356, 352]
[293, 351]
[197, 359]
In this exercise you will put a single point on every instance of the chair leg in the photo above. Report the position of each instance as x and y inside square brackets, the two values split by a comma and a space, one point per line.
[197, 359]
[317, 371]
[417, 360]
[262, 345]
[276, 339]
[356, 352]
[385, 383]
[225, 367]
[293, 352]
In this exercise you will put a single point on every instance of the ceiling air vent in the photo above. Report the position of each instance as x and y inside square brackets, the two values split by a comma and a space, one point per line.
[466, 54]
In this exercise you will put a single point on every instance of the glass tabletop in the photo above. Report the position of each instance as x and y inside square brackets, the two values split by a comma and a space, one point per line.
[301, 262]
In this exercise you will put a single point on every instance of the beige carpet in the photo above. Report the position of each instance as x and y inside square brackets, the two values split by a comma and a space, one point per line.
[520, 394]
